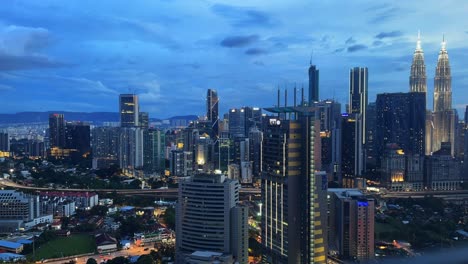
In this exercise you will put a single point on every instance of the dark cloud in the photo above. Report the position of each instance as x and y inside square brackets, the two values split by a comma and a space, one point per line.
[391, 34]
[238, 41]
[255, 51]
[356, 47]
[27, 62]
[243, 17]
[350, 40]
[338, 50]
[377, 43]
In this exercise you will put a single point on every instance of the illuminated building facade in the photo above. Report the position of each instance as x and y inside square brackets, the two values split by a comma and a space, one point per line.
[129, 110]
[351, 224]
[56, 131]
[212, 112]
[444, 115]
[352, 150]
[293, 192]
[358, 89]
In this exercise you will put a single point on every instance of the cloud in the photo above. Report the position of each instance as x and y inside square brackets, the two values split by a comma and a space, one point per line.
[243, 17]
[387, 13]
[377, 43]
[26, 62]
[238, 41]
[350, 40]
[391, 34]
[338, 50]
[4, 87]
[356, 47]
[255, 51]
[151, 93]
[259, 63]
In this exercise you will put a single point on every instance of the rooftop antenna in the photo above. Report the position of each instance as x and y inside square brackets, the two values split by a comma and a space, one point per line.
[295, 91]
[418, 43]
[311, 56]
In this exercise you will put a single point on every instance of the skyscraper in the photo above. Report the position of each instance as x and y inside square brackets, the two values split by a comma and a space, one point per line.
[143, 119]
[313, 84]
[207, 218]
[352, 157]
[293, 192]
[237, 122]
[212, 113]
[418, 80]
[129, 110]
[78, 136]
[4, 142]
[444, 116]
[56, 131]
[358, 79]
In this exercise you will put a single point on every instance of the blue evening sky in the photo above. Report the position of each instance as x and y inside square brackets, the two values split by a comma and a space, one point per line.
[79, 55]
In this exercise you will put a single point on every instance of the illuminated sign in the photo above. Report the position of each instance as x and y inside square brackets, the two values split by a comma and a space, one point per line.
[275, 122]
[362, 203]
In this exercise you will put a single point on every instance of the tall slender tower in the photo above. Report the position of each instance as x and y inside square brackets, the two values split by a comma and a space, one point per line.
[358, 89]
[444, 115]
[418, 80]
[418, 84]
[212, 113]
[313, 84]
[129, 109]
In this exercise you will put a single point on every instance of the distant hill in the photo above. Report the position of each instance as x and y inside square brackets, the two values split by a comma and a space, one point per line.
[93, 117]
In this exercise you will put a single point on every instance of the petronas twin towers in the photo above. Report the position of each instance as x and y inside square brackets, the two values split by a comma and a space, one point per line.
[440, 124]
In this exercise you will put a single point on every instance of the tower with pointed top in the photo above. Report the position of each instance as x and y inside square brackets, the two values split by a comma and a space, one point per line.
[313, 83]
[444, 115]
[418, 80]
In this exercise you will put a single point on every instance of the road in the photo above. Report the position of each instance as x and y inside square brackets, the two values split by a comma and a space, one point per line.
[170, 193]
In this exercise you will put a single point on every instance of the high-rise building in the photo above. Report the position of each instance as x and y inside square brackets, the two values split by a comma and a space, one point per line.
[256, 141]
[78, 137]
[56, 131]
[237, 122]
[207, 218]
[105, 146]
[4, 142]
[212, 112]
[154, 150]
[293, 192]
[401, 120]
[371, 144]
[418, 79]
[329, 114]
[358, 89]
[253, 118]
[443, 170]
[129, 110]
[143, 119]
[181, 163]
[313, 84]
[444, 116]
[352, 150]
[351, 224]
[131, 148]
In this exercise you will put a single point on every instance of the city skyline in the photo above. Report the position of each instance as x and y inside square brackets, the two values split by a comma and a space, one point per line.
[78, 56]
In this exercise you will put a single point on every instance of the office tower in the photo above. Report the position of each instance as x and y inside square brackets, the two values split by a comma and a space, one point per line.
[4, 142]
[329, 114]
[181, 163]
[443, 170]
[131, 148]
[358, 89]
[429, 131]
[418, 80]
[351, 224]
[226, 153]
[444, 117]
[143, 119]
[352, 157]
[129, 110]
[401, 120]
[237, 122]
[212, 113]
[293, 193]
[155, 144]
[393, 167]
[313, 84]
[105, 145]
[207, 218]
[56, 131]
[256, 139]
[253, 118]
[78, 137]
[371, 147]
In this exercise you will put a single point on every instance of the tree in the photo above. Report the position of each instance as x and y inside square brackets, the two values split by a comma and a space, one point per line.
[145, 259]
[169, 217]
[91, 261]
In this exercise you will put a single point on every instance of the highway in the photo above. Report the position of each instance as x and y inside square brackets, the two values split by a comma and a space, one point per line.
[166, 193]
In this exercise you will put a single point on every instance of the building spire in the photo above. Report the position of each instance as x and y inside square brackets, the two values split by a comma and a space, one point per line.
[444, 44]
[311, 56]
[418, 43]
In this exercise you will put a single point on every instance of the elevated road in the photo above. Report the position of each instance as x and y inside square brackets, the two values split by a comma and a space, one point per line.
[163, 193]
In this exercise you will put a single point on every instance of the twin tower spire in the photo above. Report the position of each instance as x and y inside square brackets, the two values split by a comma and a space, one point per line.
[442, 79]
